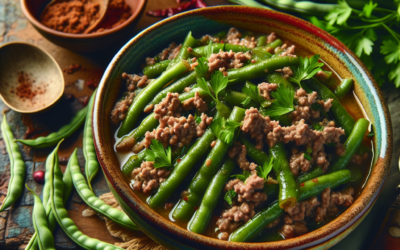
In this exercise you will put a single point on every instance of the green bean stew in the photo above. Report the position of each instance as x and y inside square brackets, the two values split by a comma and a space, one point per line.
[242, 137]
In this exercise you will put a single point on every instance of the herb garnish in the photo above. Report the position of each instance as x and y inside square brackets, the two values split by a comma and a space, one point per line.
[283, 103]
[202, 68]
[265, 169]
[253, 92]
[243, 177]
[229, 196]
[307, 68]
[307, 156]
[226, 131]
[160, 156]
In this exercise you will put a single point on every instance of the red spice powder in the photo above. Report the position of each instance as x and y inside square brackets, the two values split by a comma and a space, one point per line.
[73, 68]
[315, 180]
[25, 89]
[74, 16]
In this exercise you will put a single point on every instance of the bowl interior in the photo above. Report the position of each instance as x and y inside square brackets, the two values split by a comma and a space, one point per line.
[213, 20]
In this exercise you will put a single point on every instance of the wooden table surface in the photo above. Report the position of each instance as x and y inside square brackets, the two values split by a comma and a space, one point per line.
[16, 224]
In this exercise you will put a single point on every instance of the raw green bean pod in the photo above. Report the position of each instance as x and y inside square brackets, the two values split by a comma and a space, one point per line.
[303, 7]
[185, 208]
[64, 132]
[17, 166]
[309, 189]
[203, 215]
[44, 235]
[89, 152]
[61, 215]
[261, 68]
[183, 168]
[352, 144]
[148, 93]
[90, 198]
[345, 120]
[344, 88]
[288, 186]
[153, 71]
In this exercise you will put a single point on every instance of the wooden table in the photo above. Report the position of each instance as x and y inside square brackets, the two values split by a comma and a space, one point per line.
[16, 225]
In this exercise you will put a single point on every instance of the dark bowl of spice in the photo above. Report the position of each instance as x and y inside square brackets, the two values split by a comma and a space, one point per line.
[65, 22]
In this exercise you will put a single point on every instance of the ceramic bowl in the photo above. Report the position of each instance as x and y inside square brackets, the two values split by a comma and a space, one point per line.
[213, 20]
[82, 42]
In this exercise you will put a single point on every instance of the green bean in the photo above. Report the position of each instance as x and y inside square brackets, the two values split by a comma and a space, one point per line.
[259, 69]
[315, 172]
[345, 120]
[148, 94]
[344, 88]
[202, 217]
[44, 236]
[149, 123]
[183, 54]
[237, 98]
[308, 189]
[182, 169]
[90, 198]
[186, 207]
[352, 144]
[216, 47]
[275, 44]
[177, 86]
[278, 79]
[133, 162]
[17, 166]
[61, 214]
[51, 160]
[271, 190]
[64, 132]
[153, 71]
[288, 187]
[261, 41]
[89, 152]
[303, 7]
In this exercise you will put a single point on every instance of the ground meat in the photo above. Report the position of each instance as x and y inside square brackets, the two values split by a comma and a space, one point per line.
[235, 37]
[205, 39]
[257, 126]
[302, 209]
[331, 201]
[150, 61]
[304, 109]
[226, 227]
[195, 102]
[326, 105]
[274, 223]
[322, 76]
[169, 106]
[288, 50]
[358, 159]
[223, 61]
[266, 88]
[121, 108]
[246, 191]
[166, 53]
[187, 89]
[327, 123]
[168, 206]
[296, 229]
[298, 162]
[271, 37]
[238, 152]
[147, 178]
[340, 149]
[205, 122]
[135, 81]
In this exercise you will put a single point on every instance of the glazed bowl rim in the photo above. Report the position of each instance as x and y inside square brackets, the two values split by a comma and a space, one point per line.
[32, 19]
[337, 227]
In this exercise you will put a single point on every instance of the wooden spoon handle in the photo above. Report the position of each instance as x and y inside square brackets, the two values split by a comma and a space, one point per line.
[389, 234]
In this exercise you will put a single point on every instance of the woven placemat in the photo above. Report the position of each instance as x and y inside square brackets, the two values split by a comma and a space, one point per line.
[131, 240]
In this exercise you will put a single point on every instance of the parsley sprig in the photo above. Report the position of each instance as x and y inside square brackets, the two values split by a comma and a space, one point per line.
[253, 93]
[161, 157]
[226, 131]
[229, 196]
[218, 84]
[202, 68]
[283, 103]
[307, 68]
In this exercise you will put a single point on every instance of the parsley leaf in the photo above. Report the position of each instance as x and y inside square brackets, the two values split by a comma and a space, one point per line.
[243, 177]
[229, 196]
[246, 101]
[340, 14]
[368, 8]
[307, 68]
[230, 133]
[253, 92]
[209, 50]
[160, 156]
[219, 82]
[318, 127]
[202, 68]
[265, 169]
[307, 156]
[283, 103]
[394, 74]
[201, 83]
[197, 118]
[391, 49]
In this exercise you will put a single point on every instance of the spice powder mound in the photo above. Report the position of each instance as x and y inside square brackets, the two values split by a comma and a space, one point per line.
[25, 89]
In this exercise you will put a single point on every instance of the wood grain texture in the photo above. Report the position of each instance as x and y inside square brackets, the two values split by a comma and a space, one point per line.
[16, 225]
